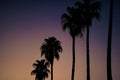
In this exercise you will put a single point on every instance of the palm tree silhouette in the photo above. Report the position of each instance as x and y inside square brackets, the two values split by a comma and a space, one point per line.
[41, 70]
[51, 48]
[109, 70]
[69, 22]
[90, 11]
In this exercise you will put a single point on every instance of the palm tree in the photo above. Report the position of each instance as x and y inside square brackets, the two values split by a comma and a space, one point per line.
[51, 48]
[109, 71]
[41, 70]
[70, 22]
[90, 11]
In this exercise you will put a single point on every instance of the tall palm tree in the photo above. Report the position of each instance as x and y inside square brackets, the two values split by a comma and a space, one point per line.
[69, 22]
[90, 11]
[41, 70]
[51, 49]
[109, 71]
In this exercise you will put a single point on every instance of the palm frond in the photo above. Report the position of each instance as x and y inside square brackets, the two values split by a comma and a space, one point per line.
[79, 5]
[57, 56]
[65, 16]
[47, 64]
[96, 7]
[33, 72]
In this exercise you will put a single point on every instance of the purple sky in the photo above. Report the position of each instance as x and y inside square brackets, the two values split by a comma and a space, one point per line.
[24, 24]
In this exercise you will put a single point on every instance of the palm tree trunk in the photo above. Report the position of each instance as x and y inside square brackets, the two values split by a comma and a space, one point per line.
[51, 71]
[109, 71]
[87, 55]
[73, 62]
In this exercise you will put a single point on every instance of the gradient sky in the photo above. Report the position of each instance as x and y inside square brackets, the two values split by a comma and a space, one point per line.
[24, 24]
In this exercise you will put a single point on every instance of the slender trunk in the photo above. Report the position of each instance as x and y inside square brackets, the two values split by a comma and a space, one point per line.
[87, 54]
[73, 61]
[51, 71]
[109, 71]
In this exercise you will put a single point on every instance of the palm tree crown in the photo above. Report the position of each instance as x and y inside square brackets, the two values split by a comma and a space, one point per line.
[90, 10]
[51, 48]
[71, 22]
[41, 70]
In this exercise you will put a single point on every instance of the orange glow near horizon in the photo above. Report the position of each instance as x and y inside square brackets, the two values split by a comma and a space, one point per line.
[21, 52]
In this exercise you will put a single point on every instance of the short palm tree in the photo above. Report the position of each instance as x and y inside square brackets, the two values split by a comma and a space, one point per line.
[41, 70]
[69, 22]
[109, 70]
[90, 11]
[51, 49]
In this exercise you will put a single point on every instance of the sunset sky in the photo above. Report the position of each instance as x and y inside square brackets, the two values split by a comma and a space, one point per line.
[24, 24]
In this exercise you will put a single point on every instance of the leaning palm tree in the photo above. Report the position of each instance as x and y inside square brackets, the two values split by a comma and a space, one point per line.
[41, 70]
[69, 22]
[51, 48]
[90, 11]
[109, 71]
